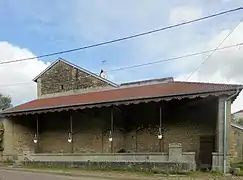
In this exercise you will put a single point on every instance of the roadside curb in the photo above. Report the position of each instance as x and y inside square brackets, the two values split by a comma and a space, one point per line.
[75, 174]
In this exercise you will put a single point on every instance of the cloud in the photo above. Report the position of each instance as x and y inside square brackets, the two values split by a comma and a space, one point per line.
[95, 21]
[184, 13]
[225, 66]
[226, 1]
[12, 75]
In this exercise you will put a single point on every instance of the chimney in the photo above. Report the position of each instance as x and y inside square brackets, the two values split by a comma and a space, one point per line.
[101, 71]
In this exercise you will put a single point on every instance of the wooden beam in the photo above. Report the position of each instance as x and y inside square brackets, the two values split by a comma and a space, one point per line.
[161, 126]
[37, 133]
[71, 131]
[112, 128]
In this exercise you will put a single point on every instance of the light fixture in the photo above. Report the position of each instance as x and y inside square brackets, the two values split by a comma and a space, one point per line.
[160, 136]
[69, 138]
[35, 139]
[110, 137]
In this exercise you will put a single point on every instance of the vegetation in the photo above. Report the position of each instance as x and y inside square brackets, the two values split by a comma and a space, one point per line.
[130, 170]
[238, 165]
[5, 102]
[1, 136]
[239, 121]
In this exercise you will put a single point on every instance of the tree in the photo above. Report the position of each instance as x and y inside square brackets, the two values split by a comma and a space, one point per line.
[5, 102]
[238, 121]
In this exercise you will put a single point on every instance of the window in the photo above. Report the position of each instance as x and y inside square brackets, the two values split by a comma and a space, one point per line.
[61, 87]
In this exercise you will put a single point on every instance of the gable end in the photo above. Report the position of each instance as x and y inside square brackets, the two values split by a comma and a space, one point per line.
[62, 76]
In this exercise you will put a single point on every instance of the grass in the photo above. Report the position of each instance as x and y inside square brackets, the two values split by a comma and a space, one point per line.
[238, 165]
[130, 170]
[99, 169]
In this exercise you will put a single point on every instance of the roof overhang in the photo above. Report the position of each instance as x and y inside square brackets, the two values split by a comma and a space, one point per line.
[137, 100]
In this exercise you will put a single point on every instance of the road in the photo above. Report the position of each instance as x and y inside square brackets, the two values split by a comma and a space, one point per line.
[19, 175]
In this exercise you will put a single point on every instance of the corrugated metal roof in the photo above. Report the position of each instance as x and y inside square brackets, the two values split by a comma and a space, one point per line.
[124, 94]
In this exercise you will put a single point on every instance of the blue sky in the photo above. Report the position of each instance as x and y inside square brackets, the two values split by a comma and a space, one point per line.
[40, 27]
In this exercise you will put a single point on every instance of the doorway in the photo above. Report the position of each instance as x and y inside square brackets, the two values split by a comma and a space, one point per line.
[207, 144]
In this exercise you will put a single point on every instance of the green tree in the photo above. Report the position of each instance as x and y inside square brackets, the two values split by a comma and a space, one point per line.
[237, 120]
[240, 121]
[5, 102]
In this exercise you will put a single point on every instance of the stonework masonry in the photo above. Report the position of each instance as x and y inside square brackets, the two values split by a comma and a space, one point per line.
[91, 129]
[18, 136]
[236, 144]
[63, 77]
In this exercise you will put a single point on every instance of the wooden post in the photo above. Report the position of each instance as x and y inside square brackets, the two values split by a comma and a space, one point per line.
[112, 129]
[37, 134]
[71, 132]
[161, 129]
[136, 140]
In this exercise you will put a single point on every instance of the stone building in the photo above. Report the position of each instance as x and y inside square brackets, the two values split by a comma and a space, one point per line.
[82, 118]
[237, 142]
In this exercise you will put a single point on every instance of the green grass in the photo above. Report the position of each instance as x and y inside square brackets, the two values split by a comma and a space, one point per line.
[238, 165]
[101, 169]
[140, 171]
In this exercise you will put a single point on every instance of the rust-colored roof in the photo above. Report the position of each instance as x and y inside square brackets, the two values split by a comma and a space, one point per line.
[168, 89]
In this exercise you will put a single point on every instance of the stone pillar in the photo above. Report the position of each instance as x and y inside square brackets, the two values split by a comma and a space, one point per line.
[217, 157]
[8, 139]
[175, 152]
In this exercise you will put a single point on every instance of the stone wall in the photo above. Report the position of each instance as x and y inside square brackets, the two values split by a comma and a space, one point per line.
[236, 144]
[63, 77]
[135, 129]
[18, 135]
[174, 160]
[91, 131]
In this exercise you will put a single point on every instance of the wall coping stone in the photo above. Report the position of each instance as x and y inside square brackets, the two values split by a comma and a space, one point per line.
[220, 154]
[175, 145]
[188, 153]
[100, 154]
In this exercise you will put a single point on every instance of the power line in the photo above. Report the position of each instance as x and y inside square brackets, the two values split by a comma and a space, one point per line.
[125, 38]
[174, 58]
[210, 55]
[150, 63]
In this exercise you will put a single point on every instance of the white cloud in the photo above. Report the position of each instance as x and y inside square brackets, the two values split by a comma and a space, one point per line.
[184, 13]
[223, 67]
[13, 74]
[98, 21]
[226, 1]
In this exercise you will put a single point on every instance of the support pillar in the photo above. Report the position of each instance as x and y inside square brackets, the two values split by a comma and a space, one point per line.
[224, 110]
[161, 129]
[37, 139]
[71, 133]
[111, 139]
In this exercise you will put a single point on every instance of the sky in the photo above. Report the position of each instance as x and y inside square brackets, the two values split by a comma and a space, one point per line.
[32, 28]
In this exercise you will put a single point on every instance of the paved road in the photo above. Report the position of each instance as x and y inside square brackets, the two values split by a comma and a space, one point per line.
[19, 175]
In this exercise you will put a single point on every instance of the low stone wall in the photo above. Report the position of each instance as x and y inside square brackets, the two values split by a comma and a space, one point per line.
[162, 157]
[145, 161]
[174, 160]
